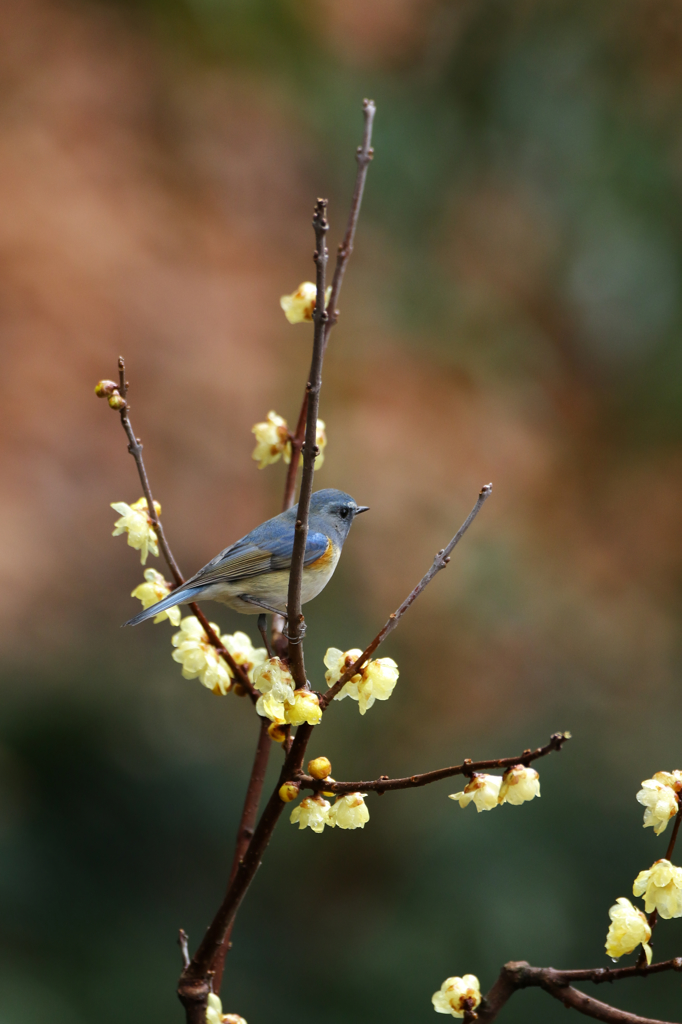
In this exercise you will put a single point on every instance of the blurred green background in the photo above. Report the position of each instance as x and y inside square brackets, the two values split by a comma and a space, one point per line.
[512, 313]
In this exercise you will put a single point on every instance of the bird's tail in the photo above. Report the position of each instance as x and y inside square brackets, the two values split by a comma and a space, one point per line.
[179, 596]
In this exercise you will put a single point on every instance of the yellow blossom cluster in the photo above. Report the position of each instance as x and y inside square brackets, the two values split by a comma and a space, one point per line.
[273, 441]
[348, 811]
[453, 993]
[137, 523]
[659, 799]
[199, 658]
[375, 681]
[215, 1015]
[661, 887]
[300, 305]
[279, 701]
[154, 589]
[628, 928]
[516, 786]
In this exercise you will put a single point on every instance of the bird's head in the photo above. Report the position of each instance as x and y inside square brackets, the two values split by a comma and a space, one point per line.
[336, 509]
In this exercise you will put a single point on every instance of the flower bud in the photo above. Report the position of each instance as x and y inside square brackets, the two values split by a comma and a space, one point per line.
[116, 402]
[104, 388]
[319, 767]
[277, 732]
[289, 791]
[239, 690]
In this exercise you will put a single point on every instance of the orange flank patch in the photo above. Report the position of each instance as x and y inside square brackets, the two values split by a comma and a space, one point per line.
[325, 560]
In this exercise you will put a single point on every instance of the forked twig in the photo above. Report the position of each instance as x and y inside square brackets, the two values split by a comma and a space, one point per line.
[440, 561]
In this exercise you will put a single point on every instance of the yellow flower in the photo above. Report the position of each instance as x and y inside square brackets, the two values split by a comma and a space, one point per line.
[244, 653]
[215, 1015]
[198, 657]
[519, 784]
[349, 811]
[375, 681]
[661, 886]
[276, 683]
[305, 707]
[311, 813]
[299, 306]
[628, 928]
[155, 589]
[484, 790]
[136, 523]
[660, 803]
[452, 993]
[320, 441]
[272, 437]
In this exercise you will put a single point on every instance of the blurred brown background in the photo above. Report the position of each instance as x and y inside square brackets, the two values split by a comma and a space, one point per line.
[512, 313]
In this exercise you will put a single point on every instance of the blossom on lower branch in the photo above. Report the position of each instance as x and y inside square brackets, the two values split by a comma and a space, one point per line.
[215, 1015]
[154, 589]
[348, 811]
[628, 928]
[137, 523]
[453, 992]
[661, 886]
[273, 441]
[300, 305]
[484, 790]
[375, 681]
[311, 813]
[517, 785]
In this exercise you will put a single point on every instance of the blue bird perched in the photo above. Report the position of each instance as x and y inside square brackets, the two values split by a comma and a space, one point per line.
[252, 575]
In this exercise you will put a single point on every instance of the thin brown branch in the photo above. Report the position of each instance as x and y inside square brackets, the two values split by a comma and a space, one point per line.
[519, 974]
[297, 439]
[197, 973]
[364, 158]
[440, 561]
[183, 943]
[386, 785]
[245, 832]
[135, 448]
[295, 625]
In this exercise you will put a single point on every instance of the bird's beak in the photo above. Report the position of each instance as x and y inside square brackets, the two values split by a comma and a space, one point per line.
[361, 508]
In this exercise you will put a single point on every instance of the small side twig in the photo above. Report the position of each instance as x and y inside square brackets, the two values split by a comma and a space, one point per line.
[440, 561]
[183, 943]
[519, 974]
[135, 448]
[386, 785]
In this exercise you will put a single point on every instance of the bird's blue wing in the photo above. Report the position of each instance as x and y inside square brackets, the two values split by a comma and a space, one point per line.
[269, 552]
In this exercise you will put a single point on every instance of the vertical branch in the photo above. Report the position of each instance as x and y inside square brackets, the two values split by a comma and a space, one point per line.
[320, 317]
[247, 825]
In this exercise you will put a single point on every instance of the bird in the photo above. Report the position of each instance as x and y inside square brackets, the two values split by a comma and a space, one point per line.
[251, 576]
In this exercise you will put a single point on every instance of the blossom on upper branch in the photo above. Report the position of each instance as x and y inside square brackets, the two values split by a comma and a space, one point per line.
[136, 522]
[300, 305]
[660, 802]
[484, 790]
[155, 589]
[273, 441]
[320, 441]
[519, 784]
[628, 928]
[198, 657]
[215, 1015]
[272, 437]
[661, 886]
[311, 813]
[453, 992]
[349, 811]
[375, 681]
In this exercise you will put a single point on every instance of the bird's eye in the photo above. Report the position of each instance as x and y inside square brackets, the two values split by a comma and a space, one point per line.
[343, 512]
